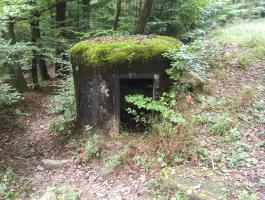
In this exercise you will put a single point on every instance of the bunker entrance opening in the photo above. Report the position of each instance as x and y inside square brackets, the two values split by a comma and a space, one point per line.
[130, 87]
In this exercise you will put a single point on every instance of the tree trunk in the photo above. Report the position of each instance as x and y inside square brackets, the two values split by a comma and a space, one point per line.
[43, 68]
[34, 70]
[11, 31]
[87, 12]
[117, 15]
[144, 16]
[18, 80]
[35, 38]
[60, 22]
[35, 32]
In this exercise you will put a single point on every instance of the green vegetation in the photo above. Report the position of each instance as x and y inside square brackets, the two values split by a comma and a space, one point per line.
[8, 95]
[248, 36]
[116, 50]
[7, 189]
[245, 95]
[233, 135]
[161, 189]
[244, 195]
[221, 124]
[239, 160]
[207, 128]
[144, 161]
[91, 149]
[244, 34]
[64, 102]
[62, 193]
[114, 161]
[151, 105]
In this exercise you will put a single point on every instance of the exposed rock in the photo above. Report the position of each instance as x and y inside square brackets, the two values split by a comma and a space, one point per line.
[49, 196]
[206, 185]
[194, 80]
[56, 164]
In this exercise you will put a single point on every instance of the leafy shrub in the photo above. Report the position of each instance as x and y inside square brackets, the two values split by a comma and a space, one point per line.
[149, 104]
[21, 51]
[204, 118]
[8, 95]
[189, 57]
[162, 127]
[177, 160]
[114, 161]
[243, 59]
[246, 95]
[221, 124]
[244, 195]
[92, 148]
[242, 146]
[64, 103]
[233, 134]
[216, 12]
[201, 152]
[6, 189]
[145, 161]
[239, 160]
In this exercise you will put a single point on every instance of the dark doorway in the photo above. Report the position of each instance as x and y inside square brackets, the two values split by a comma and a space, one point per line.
[133, 86]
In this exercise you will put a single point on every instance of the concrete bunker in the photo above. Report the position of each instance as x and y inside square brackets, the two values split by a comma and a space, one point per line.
[108, 68]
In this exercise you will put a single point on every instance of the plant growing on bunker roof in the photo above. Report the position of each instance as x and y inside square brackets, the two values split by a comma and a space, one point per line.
[113, 50]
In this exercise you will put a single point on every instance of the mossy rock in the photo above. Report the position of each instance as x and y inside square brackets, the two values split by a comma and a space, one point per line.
[193, 80]
[116, 50]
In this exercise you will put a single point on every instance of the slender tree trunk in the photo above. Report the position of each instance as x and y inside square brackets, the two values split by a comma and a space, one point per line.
[43, 68]
[34, 25]
[60, 23]
[40, 57]
[18, 80]
[11, 31]
[144, 16]
[87, 12]
[117, 15]
[35, 38]
[34, 70]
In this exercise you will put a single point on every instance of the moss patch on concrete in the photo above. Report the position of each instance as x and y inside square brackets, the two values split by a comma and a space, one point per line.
[118, 50]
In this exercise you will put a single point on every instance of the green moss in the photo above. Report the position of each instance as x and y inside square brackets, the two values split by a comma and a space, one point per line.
[117, 50]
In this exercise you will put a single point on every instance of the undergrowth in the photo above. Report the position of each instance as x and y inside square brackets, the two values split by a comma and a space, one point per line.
[247, 36]
[63, 104]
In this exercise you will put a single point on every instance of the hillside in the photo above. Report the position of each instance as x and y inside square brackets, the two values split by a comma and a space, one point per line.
[217, 154]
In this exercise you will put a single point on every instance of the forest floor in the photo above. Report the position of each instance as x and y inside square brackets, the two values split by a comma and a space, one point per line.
[226, 166]
[28, 140]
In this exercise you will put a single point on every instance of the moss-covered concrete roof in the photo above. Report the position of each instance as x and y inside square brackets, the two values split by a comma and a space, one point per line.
[116, 50]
